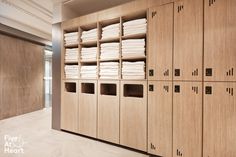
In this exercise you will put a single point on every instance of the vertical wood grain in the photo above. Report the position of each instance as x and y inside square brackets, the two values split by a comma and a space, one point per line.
[220, 38]
[219, 120]
[21, 76]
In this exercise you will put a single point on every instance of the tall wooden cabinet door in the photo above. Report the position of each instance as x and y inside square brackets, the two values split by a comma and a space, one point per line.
[220, 39]
[219, 120]
[69, 106]
[160, 118]
[188, 40]
[109, 111]
[88, 108]
[187, 119]
[133, 114]
[160, 42]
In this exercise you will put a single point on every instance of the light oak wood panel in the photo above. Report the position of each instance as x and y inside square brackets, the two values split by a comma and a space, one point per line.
[69, 106]
[160, 41]
[219, 119]
[188, 40]
[134, 6]
[187, 119]
[220, 38]
[21, 75]
[109, 111]
[160, 118]
[110, 13]
[152, 3]
[88, 108]
[133, 115]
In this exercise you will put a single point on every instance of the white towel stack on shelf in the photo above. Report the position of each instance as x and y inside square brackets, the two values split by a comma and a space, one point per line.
[133, 70]
[71, 55]
[110, 50]
[109, 70]
[72, 71]
[89, 53]
[133, 48]
[138, 26]
[71, 38]
[88, 72]
[90, 35]
[111, 31]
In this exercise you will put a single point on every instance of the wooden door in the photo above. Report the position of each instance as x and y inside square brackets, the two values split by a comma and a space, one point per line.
[160, 42]
[88, 108]
[109, 111]
[220, 39]
[69, 106]
[219, 120]
[160, 118]
[133, 114]
[187, 119]
[188, 40]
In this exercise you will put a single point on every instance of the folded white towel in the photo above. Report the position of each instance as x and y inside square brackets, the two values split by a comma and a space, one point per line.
[135, 22]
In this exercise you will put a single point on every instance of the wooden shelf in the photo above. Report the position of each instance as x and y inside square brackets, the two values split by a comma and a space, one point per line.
[71, 46]
[88, 61]
[89, 43]
[134, 36]
[106, 60]
[114, 39]
[71, 62]
[134, 58]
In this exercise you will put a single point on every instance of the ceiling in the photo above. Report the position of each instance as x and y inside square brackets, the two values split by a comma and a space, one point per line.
[36, 16]
[83, 7]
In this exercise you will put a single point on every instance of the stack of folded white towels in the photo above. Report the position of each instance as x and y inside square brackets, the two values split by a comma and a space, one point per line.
[88, 71]
[110, 50]
[111, 31]
[133, 48]
[109, 70]
[90, 35]
[71, 55]
[71, 38]
[88, 53]
[133, 70]
[138, 26]
[72, 71]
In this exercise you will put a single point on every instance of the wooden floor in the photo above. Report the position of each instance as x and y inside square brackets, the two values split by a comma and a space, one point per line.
[41, 141]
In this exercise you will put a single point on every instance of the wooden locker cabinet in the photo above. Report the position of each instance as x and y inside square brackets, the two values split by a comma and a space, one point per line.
[160, 42]
[219, 119]
[188, 40]
[88, 107]
[187, 119]
[109, 110]
[160, 118]
[69, 106]
[220, 39]
[133, 114]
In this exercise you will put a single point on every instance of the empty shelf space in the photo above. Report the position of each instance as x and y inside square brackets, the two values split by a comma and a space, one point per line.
[70, 87]
[87, 88]
[108, 89]
[133, 90]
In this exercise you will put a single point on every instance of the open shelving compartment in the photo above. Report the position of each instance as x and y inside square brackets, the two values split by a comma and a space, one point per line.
[71, 46]
[69, 106]
[88, 108]
[133, 58]
[87, 28]
[108, 110]
[133, 112]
